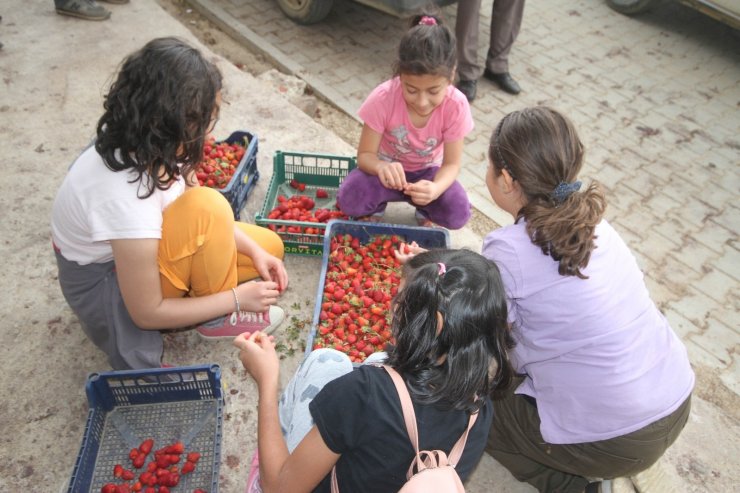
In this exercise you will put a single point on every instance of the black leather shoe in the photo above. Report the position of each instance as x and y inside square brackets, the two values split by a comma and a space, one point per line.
[469, 88]
[505, 81]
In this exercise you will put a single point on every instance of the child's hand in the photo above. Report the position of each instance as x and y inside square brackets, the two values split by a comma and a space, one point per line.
[407, 251]
[270, 268]
[423, 192]
[392, 175]
[257, 354]
[257, 296]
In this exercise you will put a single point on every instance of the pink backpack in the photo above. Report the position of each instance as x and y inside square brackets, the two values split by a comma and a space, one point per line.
[430, 470]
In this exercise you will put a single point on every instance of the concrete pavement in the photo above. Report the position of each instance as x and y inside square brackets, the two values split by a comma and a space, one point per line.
[656, 100]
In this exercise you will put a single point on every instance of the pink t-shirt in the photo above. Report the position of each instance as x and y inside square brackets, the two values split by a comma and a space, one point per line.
[385, 111]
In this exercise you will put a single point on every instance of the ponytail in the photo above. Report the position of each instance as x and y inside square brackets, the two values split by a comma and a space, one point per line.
[541, 151]
[566, 232]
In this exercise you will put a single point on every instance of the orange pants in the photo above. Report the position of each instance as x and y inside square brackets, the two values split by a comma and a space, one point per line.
[197, 252]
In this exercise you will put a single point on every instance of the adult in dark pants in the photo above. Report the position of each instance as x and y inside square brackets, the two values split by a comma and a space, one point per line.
[506, 18]
[85, 9]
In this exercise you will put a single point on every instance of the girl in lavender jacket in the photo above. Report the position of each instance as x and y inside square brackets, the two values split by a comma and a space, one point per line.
[606, 382]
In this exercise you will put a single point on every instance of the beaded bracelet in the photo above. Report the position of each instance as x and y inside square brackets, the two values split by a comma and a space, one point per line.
[236, 300]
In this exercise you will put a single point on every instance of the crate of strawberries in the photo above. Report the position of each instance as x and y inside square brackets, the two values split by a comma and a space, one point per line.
[230, 166]
[359, 277]
[155, 430]
[302, 198]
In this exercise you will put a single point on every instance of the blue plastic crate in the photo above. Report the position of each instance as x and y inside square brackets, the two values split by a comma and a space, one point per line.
[246, 174]
[168, 405]
[426, 238]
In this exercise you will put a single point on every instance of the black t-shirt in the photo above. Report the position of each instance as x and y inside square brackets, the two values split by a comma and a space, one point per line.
[359, 416]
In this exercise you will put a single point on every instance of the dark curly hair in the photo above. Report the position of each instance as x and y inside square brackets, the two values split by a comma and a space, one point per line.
[469, 357]
[427, 49]
[158, 112]
[540, 149]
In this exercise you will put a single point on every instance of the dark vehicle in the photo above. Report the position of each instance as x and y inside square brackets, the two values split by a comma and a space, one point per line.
[312, 11]
[727, 11]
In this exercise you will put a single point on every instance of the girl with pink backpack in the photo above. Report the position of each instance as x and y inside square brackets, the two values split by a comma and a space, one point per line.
[450, 325]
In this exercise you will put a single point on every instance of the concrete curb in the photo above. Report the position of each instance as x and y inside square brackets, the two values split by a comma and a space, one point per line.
[230, 25]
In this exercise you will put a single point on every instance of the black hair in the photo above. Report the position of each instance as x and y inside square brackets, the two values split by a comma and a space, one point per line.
[469, 356]
[427, 48]
[158, 112]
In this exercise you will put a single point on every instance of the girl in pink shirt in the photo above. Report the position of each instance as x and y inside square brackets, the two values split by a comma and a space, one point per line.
[411, 144]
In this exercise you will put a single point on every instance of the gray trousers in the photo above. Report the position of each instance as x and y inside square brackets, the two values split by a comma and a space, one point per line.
[516, 443]
[506, 19]
[93, 294]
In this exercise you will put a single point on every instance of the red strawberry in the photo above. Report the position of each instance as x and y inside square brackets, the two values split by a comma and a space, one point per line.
[193, 457]
[127, 475]
[163, 461]
[149, 478]
[138, 462]
[117, 470]
[321, 193]
[176, 448]
[108, 488]
[146, 446]
[188, 467]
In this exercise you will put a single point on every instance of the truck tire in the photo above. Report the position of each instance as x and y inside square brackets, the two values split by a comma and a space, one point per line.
[630, 7]
[305, 11]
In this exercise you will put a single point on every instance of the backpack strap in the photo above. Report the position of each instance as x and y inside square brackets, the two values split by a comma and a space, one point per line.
[457, 450]
[410, 418]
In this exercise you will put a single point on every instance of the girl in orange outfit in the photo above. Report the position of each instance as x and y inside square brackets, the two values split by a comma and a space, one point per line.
[140, 246]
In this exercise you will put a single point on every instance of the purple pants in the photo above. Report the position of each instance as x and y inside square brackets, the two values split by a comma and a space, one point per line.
[361, 194]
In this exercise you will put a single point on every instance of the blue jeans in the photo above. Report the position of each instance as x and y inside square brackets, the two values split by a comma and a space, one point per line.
[320, 367]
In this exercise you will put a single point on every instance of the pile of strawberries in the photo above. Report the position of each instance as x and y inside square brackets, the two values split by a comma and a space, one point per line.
[302, 208]
[361, 279]
[161, 474]
[220, 160]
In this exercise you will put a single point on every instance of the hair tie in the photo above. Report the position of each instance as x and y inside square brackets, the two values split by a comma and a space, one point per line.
[565, 190]
[442, 268]
[427, 20]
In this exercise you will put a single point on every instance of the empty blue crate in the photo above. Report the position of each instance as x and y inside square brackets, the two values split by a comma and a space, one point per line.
[166, 404]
